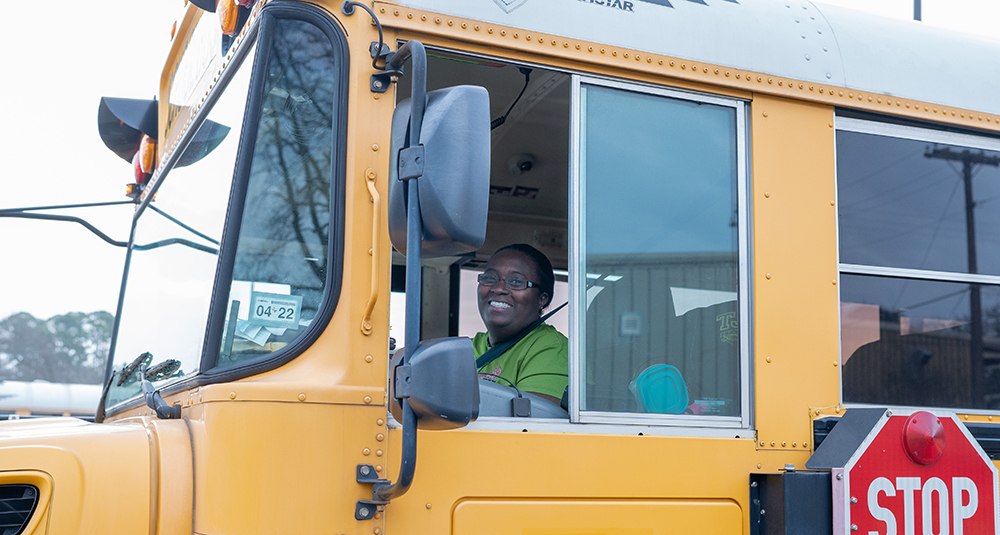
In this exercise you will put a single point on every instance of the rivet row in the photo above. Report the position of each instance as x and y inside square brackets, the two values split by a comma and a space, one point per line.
[748, 78]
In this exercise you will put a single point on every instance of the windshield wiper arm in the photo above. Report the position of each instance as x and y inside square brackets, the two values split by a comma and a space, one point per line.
[155, 401]
[177, 241]
[72, 219]
[184, 226]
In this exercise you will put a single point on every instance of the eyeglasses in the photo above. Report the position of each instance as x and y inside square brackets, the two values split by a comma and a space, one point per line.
[513, 283]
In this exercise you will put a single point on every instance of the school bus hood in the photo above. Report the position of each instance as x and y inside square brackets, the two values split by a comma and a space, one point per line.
[91, 478]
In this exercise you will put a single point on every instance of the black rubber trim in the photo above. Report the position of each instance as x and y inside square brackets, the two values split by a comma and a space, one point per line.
[328, 24]
[237, 200]
[109, 367]
[988, 435]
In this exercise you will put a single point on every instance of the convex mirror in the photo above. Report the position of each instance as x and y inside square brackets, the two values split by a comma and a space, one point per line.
[441, 383]
[454, 188]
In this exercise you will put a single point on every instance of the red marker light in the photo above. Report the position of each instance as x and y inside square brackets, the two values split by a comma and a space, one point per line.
[140, 176]
[923, 438]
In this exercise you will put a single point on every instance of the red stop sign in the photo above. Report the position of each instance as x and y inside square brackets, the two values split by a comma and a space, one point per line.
[884, 490]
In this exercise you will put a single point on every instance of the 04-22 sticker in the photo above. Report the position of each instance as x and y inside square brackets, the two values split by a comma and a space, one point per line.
[275, 310]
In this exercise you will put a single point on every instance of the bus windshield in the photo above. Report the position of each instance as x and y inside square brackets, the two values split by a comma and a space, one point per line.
[269, 188]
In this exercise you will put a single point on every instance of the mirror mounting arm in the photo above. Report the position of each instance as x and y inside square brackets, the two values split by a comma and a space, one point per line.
[379, 50]
[383, 490]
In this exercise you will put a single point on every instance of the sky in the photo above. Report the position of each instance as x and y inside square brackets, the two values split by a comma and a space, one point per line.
[50, 151]
[56, 72]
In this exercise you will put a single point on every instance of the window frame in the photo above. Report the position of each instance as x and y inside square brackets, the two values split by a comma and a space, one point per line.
[577, 254]
[257, 34]
[926, 134]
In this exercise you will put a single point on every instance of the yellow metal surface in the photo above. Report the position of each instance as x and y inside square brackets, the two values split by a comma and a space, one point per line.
[281, 468]
[173, 118]
[606, 517]
[171, 477]
[100, 474]
[458, 469]
[796, 335]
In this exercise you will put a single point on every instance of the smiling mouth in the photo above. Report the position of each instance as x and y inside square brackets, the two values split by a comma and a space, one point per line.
[499, 304]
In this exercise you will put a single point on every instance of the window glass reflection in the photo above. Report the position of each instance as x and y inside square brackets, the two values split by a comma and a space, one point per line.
[903, 204]
[917, 343]
[661, 239]
[281, 260]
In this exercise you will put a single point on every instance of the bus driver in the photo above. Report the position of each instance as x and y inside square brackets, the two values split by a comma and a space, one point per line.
[514, 289]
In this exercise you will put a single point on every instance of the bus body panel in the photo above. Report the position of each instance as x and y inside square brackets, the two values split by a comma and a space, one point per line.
[100, 474]
[282, 468]
[795, 276]
[498, 473]
[618, 517]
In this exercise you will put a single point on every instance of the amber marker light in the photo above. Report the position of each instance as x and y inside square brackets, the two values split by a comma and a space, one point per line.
[132, 191]
[228, 11]
[147, 154]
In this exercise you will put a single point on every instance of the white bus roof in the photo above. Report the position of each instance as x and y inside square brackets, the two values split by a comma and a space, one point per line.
[796, 39]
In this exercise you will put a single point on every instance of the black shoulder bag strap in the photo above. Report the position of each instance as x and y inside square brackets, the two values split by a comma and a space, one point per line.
[494, 352]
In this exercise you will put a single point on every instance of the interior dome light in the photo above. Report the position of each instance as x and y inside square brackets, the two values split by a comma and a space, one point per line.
[923, 437]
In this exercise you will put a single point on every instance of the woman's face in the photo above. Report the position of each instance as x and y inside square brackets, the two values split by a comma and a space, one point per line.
[506, 312]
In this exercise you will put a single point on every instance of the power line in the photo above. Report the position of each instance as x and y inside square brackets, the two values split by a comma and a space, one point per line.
[970, 159]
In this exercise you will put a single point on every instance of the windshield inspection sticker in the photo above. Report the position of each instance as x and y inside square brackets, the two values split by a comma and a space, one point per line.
[275, 310]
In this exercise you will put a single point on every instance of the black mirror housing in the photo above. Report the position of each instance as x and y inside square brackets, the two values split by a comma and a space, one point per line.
[441, 382]
[455, 181]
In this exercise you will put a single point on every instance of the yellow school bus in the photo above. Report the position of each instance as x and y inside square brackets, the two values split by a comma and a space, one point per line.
[771, 221]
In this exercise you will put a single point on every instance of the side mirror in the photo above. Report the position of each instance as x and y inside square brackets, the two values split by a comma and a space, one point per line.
[441, 382]
[454, 181]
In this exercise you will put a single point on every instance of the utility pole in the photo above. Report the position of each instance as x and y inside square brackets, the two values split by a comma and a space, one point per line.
[916, 10]
[969, 159]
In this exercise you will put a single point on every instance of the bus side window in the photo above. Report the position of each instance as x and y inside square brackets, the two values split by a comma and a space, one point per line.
[920, 266]
[660, 253]
[280, 269]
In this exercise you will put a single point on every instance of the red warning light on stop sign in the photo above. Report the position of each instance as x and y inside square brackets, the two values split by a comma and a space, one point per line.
[953, 490]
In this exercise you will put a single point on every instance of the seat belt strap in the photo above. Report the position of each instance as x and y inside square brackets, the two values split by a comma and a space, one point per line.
[494, 352]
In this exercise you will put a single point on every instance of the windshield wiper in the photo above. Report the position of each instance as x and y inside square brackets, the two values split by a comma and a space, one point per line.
[147, 374]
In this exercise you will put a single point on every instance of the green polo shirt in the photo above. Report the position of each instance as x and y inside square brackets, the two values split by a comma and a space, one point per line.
[539, 362]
